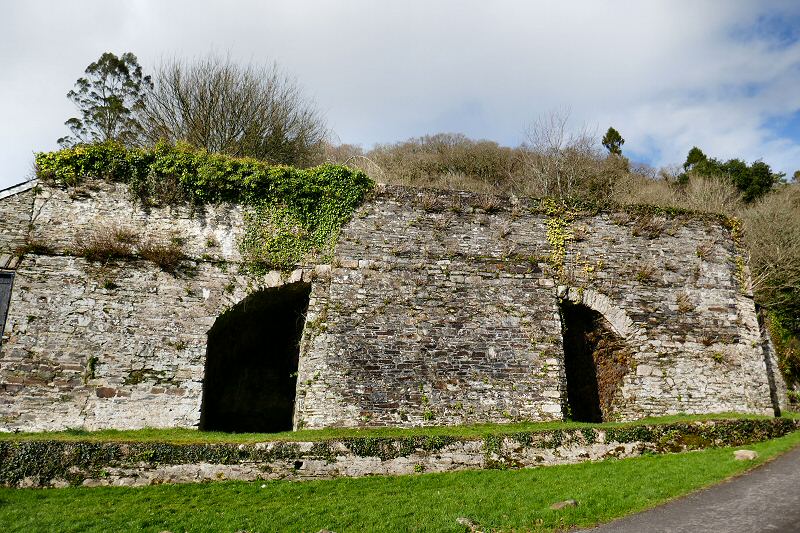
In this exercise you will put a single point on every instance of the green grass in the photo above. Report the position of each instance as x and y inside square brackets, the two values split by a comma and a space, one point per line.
[191, 436]
[497, 500]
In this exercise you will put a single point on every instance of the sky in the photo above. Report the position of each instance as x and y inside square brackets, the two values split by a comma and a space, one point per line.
[722, 75]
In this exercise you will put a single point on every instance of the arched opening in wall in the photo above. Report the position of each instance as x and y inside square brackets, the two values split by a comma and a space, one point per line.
[596, 360]
[251, 362]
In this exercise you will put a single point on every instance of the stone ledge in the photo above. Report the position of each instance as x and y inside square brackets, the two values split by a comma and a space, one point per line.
[18, 188]
[51, 463]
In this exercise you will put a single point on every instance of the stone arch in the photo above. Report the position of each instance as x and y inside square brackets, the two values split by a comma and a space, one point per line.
[597, 353]
[251, 363]
[597, 301]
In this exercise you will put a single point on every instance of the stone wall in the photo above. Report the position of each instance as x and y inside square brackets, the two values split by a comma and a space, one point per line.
[427, 320]
[439, 308]
[118, 344]
[64, 216]
[442, 309]
[16, 204]
[92, 464]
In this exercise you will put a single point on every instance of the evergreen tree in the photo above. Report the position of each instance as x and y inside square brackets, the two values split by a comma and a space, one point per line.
[108, 98]
[753, 181]
[694, 157]
[613, 141]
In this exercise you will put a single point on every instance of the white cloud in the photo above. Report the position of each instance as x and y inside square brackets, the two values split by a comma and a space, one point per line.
[667, 74]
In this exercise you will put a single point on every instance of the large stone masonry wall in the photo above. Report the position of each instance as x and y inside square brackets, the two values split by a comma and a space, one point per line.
[438, 308]
[443, 308]
[424, 321]
[121, 344]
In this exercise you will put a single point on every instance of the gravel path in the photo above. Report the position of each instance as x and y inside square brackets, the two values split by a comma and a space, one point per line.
[766, 499]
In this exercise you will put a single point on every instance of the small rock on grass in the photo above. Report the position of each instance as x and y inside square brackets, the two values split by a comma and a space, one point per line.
[745, 455]
[565, 503]
[466, 522]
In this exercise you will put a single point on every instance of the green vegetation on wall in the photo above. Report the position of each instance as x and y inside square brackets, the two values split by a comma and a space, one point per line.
[787, 346]
[559, 232]
[291, 215]
[42, 460]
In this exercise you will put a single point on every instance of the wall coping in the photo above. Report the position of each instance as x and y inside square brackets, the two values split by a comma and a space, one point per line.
[18, 188]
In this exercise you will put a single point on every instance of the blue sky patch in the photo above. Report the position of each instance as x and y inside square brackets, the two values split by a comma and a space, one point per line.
[786, 126]
[780, 29]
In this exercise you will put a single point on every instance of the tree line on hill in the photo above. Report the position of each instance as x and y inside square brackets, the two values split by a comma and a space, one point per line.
[261, 112]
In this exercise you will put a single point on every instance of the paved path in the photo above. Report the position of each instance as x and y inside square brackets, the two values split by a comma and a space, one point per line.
[766, 499]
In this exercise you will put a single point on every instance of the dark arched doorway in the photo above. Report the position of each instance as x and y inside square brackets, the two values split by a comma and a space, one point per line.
[251, 362]
[595, 360]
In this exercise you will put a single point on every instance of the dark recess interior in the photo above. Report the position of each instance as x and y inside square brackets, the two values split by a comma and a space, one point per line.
[596, 360]
[251, 363]
[6, 281]
[578, 322]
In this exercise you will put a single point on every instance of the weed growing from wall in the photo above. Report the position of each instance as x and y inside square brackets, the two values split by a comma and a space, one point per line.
[734, 225]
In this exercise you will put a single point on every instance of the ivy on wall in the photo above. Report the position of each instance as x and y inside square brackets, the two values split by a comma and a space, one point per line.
[291, 214]
[559, 232]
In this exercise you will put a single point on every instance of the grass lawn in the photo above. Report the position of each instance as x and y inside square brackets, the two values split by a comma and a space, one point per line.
[192, 436]
[510, 500]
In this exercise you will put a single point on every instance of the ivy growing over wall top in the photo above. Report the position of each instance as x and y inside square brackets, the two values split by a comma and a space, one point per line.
[292, 215]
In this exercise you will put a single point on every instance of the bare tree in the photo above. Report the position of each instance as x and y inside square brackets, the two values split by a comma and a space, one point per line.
[241, 110]
[556, 161]
[772, 234]
[710, 194]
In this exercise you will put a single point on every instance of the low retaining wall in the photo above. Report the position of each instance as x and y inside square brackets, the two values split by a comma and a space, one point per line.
[50, 463]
